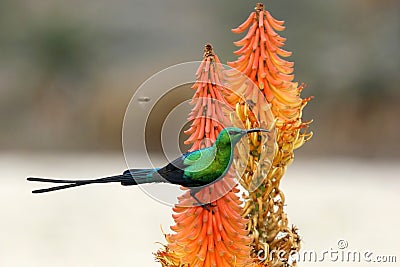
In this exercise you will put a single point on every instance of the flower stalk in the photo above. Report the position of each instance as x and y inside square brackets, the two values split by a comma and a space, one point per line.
[261, 58]
[215, 235]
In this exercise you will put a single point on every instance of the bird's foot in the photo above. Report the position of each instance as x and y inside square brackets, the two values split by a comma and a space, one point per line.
[210, 205]
[205, 206]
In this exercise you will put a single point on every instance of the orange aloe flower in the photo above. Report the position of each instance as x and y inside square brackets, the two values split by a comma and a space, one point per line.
[261, 58]
[207, 115]
[216, 235]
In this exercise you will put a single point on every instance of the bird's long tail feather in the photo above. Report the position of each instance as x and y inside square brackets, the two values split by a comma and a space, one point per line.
[129, 177]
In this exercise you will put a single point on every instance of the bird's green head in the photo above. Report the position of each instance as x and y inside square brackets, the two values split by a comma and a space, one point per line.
[232, 135]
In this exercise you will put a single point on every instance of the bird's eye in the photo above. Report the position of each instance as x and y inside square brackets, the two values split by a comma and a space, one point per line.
[233, 132]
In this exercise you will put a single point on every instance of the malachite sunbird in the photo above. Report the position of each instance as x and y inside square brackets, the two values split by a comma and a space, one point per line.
[192, 170]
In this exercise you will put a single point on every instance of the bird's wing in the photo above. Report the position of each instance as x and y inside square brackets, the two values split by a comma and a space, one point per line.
[206, 168]
[199, 160]
[173, 172]
[179, 170]
[178, 163]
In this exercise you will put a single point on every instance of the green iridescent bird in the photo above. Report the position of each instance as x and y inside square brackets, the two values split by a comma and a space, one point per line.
[192, 170]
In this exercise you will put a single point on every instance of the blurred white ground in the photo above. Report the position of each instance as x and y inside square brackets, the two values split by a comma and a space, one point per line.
[108, 225]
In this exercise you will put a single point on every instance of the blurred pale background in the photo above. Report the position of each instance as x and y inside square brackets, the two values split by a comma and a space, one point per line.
[69, 68]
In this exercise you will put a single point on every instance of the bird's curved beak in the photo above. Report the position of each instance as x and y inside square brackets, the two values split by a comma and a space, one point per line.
[256, 130]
